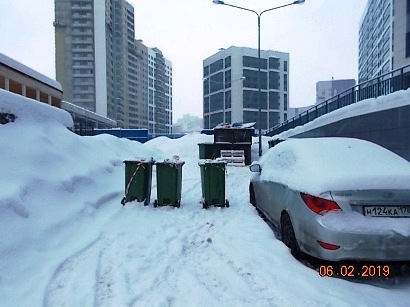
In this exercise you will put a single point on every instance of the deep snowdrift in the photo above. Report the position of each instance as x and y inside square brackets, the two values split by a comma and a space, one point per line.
[67, 241]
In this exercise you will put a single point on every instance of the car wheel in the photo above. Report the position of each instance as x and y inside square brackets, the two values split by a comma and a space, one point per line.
[288, 236]
[252, 198]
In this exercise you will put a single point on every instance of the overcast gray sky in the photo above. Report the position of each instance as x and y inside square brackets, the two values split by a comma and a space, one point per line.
[321, 37]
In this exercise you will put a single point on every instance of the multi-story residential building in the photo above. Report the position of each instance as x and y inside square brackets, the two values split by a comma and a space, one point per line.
[328, 89]
[384, 38]
[230, 80]
[142, 83]
[159, 93]
[100, 64]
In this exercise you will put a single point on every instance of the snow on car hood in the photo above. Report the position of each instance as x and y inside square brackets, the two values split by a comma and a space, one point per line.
[317, 165]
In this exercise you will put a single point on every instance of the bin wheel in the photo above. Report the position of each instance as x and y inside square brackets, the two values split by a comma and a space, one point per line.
[155, 203]
[205, 205]
[123, 201]
[177, 204]
[146, 202]
[226, 203]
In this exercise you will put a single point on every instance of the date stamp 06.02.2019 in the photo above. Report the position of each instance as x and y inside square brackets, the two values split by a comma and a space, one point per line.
[349, 270]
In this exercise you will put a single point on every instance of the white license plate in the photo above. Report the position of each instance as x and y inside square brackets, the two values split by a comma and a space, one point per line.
[392, 211]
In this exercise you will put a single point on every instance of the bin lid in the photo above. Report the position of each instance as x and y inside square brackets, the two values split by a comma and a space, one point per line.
[175, 160]
[141, 160]
[217, 161]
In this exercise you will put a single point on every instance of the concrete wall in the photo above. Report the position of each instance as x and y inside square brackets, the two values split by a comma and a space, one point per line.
[388, 128]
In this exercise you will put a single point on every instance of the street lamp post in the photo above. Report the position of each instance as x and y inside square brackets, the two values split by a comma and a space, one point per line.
[259, 55]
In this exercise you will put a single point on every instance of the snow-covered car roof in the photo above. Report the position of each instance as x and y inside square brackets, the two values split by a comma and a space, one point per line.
[317, 165]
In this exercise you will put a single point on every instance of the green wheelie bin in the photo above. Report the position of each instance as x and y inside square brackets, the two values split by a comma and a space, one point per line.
[213, 183]
[138, 177]
[169, 183]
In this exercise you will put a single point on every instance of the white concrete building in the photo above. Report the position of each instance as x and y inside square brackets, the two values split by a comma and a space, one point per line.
[230, 84]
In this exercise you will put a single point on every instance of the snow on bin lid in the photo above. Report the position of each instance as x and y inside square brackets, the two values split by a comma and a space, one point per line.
[236, 125]
[209, 161]
[175, 160]
[143, 160]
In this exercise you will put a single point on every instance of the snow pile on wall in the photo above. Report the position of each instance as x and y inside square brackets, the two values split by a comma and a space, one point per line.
[32, 110]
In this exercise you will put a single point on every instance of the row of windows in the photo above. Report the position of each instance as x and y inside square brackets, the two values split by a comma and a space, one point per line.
[212, 120]
[250, 101]
[216, 82]
[253, 62]
[252, 116]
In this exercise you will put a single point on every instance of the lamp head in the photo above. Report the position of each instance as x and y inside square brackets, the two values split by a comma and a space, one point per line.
[298, 1]
[218, 2]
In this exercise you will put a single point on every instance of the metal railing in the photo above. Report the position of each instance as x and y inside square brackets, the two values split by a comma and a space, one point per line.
[395, 80]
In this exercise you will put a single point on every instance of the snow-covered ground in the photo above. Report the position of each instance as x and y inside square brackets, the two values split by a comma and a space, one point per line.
[67, 241]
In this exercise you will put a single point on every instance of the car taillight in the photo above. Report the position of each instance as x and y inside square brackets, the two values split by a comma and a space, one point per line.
[328, 246]
[319, 205]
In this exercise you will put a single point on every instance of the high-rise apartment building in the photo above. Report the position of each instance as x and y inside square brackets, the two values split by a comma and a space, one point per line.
[159, 92]
[328, 89]
[100, 64]
[230, 81]
[384, 38]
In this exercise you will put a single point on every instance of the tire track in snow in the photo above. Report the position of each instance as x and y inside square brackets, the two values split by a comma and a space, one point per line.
[109, 281]
[74, 275]
[159, 271]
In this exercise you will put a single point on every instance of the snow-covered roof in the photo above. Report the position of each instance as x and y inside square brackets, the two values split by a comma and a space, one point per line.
[27, 109]
[318, 165]
[28, 71]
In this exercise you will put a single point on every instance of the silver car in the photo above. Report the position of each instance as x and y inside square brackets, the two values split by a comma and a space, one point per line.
[336, 198]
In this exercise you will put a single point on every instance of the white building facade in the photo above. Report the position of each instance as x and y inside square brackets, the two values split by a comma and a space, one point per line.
[384, 38]
[230, 87]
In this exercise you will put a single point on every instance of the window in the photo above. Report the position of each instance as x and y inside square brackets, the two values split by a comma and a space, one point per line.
[227, 78]
[285, 82]
[273, 63]
[285, 65]
[274, 80]
[273, 119]
[251, 79]
[407, 44]
[206, 122]
[250, 100]
[253, 116]
[228, 62]
[228, 117]
[274, 100]
[206, 86]
[206, 71]
[216, 82]
[206, 105]
[216, 119]
[216, 102]
[227, 99]
[252, 62]
[214, 67]
[285, 101]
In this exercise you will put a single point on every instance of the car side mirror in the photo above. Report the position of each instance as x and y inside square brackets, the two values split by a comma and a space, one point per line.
[255, 168]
